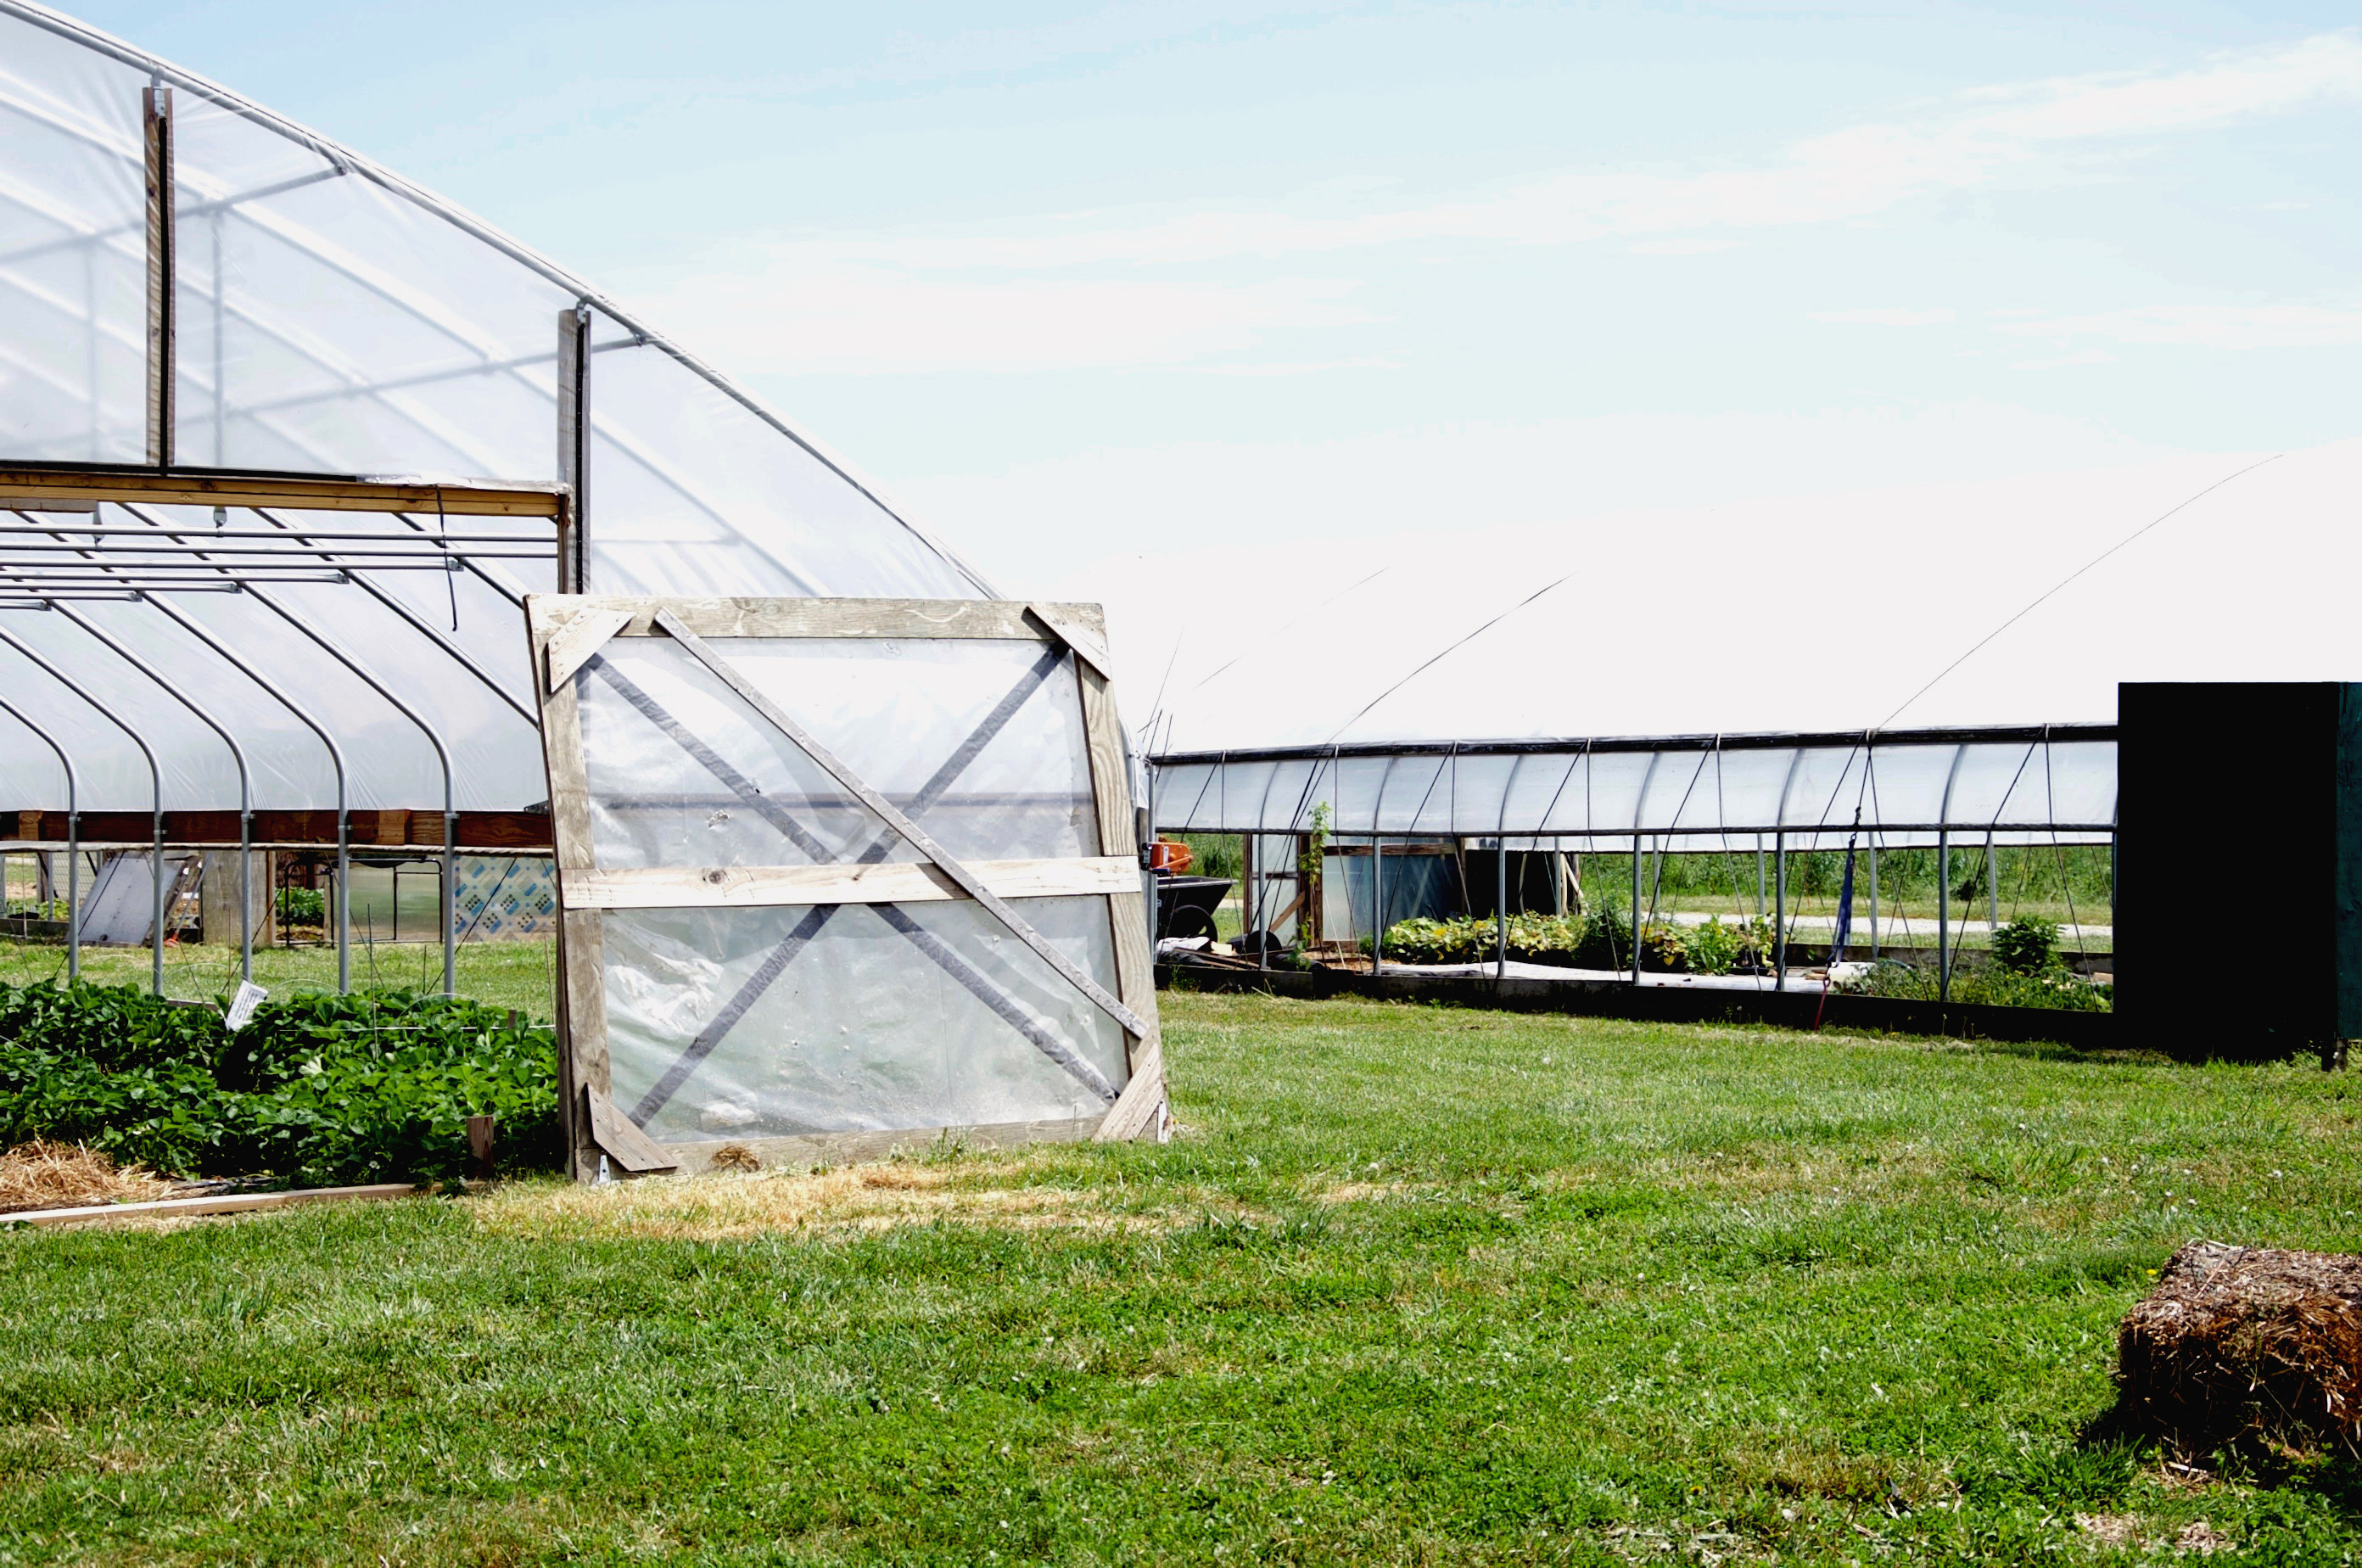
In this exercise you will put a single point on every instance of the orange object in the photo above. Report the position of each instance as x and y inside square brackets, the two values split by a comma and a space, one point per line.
[1163, 855]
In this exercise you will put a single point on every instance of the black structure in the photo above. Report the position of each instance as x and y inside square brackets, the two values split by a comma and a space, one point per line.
[2301, 761]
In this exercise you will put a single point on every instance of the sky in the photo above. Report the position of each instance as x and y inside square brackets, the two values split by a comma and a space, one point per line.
[1799, 346]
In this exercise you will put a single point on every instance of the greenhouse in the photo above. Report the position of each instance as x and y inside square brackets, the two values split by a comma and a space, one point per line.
[286, 443]
[1411, 813]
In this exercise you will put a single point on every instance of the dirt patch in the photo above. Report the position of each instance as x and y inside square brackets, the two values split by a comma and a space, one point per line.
[2109, 1530]
[68, 1176]
[852, 1200]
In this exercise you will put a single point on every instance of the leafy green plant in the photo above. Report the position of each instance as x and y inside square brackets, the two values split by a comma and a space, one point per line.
[1308, 870]
[303, 906]
[317, 1090]
[2028, 945]
[1533, 939]
[1988, 987]
[1715, 948]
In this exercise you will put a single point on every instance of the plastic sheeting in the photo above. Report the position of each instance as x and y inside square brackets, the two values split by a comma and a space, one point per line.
[739, 1023]
[2043, 785]
[333, 319]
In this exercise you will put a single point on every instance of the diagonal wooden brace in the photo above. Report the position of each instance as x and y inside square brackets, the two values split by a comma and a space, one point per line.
[916, 836]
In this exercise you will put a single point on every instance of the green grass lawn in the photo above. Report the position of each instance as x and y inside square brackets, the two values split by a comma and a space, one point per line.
[1413, 1285]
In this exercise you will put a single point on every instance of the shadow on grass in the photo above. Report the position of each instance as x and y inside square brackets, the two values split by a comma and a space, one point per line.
[2123, 1438]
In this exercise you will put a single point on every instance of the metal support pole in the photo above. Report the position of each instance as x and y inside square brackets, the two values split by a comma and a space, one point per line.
[434, 738]
[73, 895]
[1758, 876]
[1873, 900]
[1500, 908]
[156, 797]
[245, 786]
[73, 842]
[335, 756]
[1780, 912]
[1378, 903]
[1993, 888]
[1944, 914]
[1943, 880]
[1636, 909]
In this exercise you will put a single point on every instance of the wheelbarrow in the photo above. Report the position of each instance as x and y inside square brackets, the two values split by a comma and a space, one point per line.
[1185, 905]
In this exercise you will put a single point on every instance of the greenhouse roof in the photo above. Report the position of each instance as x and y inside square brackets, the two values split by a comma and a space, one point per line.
[275, 304]
[2034, 784]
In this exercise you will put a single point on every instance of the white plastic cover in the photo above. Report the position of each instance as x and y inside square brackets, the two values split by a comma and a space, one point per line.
[2053, 785]
[731, 1023]
[331, 318]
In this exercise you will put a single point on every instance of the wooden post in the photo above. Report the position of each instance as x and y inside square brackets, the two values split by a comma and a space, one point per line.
[481, 1131]
[155, 115]
[574, 444]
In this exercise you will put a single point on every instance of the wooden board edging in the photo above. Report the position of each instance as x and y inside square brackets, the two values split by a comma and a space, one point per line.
[229, 1203]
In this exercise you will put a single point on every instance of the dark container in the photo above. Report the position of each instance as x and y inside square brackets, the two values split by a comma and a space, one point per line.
[2271, 773]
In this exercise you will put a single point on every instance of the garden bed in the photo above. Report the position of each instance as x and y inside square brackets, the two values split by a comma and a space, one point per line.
[317, 1091]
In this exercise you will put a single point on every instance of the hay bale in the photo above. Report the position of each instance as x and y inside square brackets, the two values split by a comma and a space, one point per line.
[2239, 1344]
[68, 1176]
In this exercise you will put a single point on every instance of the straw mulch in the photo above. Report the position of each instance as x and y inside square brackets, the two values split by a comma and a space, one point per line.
[67, 1176]
[2241, 1344]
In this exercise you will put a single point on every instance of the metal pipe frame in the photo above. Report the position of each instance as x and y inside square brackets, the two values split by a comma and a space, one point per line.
[1769, 740]
[342, 162]
[335, 756]
[433, 737]
[451, 650]
[1944, 883]
[442, 756]
[73, 842]
[156, 796]
[1779, 875]
[245, 789]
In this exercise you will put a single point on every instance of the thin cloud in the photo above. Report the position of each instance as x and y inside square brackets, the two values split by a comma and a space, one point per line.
[2209, 325]
[1883, 317]
[1848, 174]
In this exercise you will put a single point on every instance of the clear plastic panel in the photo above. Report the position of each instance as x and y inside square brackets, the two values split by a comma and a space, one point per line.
[73, 265]
[1478, 784]
[328, 325]
[1998, 782]
[690, 489]
[1419, 789]
[1539, 787]
[1830, 785]
[878, 1018]
[1275, 884]
[2082, 781]
[1907, 783]
[1188, 798]
[981, 742]
[1681, 791]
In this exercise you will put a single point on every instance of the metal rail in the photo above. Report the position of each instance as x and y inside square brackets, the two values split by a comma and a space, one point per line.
[156, 796]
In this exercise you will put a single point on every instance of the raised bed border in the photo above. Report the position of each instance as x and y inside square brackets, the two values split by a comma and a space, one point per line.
[1673, 1004]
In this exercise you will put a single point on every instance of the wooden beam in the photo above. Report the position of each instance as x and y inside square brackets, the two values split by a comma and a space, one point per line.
[880, 882]
[573, 643]
[513, 832]
[30, 485]
[1139, 1110]
[232, 1203]
[624, 1143]
[824, 617]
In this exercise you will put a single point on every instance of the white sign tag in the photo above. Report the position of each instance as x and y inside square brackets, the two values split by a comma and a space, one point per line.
[241, 1006]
